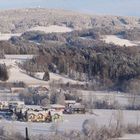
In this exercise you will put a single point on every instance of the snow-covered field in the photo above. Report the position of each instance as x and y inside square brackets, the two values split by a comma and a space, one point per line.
[117, 40]
[72, 122]
[16, 74]
[19, 57]
[122, 98]
[7, 36]
[130, 137]
[46, 29]
[52, 29]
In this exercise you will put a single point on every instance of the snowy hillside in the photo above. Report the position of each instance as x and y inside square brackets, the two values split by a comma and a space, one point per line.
[117, 40]
[7, 36]
[46, 29]
[52, 29]
[17, 75]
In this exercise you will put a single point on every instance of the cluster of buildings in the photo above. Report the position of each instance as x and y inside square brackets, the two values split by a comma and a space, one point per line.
[32, 113]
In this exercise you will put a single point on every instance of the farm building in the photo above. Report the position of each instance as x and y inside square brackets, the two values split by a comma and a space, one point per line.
[69, 103]
[41, 90]
[78, 108]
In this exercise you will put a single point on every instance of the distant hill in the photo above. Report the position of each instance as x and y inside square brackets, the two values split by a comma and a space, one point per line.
[20, 20]
[92, 54]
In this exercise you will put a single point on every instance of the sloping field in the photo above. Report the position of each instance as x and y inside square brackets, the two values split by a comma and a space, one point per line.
[72, 122]
[7, 36]
[130, 137]
[46, 29]
[52, 29]
[119, 41]
[17, 75]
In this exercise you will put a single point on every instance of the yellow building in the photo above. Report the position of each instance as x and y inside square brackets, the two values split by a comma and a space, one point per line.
[4, 105]
[33, 116]
[44, 116]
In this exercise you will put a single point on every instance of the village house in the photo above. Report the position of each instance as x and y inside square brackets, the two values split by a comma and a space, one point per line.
[16, 104]
[78, 109]
[44, 115]
[41, 90]
[33, 107]
[34, 113]
[69, 103]
[36, 116]
[11, 104]
[4, 105]
[15, 90]
[74, 108]
[5, 90]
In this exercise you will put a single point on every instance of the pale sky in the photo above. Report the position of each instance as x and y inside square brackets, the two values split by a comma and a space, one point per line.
[111, 7]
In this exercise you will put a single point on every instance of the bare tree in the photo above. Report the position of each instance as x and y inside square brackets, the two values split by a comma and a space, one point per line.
[134, 90]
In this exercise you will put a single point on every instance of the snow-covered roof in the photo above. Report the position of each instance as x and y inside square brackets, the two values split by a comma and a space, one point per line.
[70, 101]
[33, 107]
[36, 113]
[42, 88]
[78, 105]
[17, 88]
[18, 102]
[57, 106]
